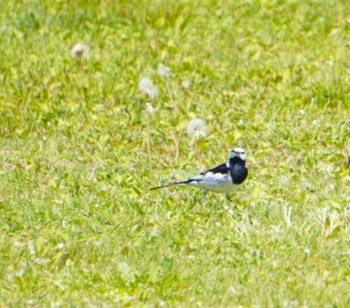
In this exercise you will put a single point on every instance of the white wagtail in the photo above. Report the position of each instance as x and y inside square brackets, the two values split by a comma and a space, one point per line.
[221, 179]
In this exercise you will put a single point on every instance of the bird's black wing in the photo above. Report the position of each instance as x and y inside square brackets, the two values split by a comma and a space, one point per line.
[223, 169]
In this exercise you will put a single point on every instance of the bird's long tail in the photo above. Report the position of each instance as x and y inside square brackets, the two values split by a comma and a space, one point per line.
[173, 184]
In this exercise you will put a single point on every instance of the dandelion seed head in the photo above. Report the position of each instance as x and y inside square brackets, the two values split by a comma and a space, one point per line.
[197, 129]
[31, 248]
[307, 251]
[147, 87]
[150, 109]
[152, 92]
[80, 51]
[145, 83]
[210, 117]
[20, 273]
[60, 246]
[163, 71]
[186, 84]
[17, 243]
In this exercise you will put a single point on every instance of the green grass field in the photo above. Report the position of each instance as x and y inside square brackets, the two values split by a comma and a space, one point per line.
[79, 225]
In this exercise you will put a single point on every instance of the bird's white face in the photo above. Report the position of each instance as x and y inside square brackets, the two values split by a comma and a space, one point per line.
[238, 152]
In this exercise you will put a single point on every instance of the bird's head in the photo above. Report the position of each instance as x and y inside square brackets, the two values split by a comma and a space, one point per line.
[238, 152]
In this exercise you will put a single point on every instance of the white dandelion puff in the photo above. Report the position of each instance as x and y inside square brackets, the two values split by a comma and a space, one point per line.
[20, 273]
[163, 71]
[186, 84]
[147, 87]
[80, 51]
[17, 243]
[144, 84]
[60, 246]
[153, 92]
[197, 129]
[31, 248]
[150, 109]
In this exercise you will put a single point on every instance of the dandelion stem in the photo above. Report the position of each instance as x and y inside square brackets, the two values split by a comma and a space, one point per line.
[198, 157]
[170, 93]
[176, 142]
[149, 138]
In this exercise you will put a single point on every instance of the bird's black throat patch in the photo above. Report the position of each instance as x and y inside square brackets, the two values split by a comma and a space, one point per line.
[238, 170]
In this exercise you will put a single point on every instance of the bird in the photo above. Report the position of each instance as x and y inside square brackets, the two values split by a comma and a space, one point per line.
[223, 178]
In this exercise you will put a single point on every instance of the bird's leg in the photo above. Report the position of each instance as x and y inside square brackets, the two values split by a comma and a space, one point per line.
[204, 196]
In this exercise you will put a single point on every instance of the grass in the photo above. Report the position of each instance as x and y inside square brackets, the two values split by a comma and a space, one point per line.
[78, 153]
